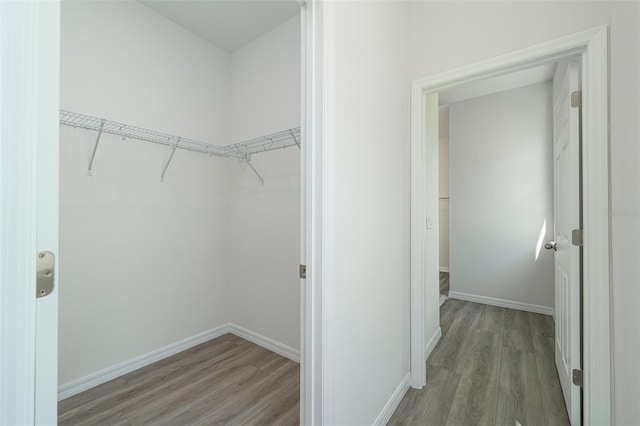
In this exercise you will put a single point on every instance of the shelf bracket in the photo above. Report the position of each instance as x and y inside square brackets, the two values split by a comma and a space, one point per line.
[247, 159]
[95, 149]
[173, 151]
[295, 139]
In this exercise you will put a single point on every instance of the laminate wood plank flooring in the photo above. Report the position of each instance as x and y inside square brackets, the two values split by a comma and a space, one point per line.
[493, 366]
[444, 284]
[226, 381]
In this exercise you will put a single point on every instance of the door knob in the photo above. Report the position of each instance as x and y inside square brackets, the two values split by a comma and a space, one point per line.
[551, 245]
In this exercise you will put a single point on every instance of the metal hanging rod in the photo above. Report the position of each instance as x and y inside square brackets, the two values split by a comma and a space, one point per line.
[241, 150]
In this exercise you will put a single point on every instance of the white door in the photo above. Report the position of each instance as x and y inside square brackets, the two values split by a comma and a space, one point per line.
[29, 36]
[567, 218]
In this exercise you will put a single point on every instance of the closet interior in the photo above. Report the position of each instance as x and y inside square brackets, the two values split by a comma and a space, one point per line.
[180, 181]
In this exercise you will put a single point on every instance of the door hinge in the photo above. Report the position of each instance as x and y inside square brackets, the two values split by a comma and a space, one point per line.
[576, 99]
[45, 272]
[303, 272]
[576, 237]
[578, 377]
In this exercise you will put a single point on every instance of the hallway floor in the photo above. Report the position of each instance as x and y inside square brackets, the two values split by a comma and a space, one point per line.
[493, 366]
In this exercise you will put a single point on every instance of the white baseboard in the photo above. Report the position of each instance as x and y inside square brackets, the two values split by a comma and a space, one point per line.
[502, 303]
[102, 376]
[394, 401]
[444, 269]
[265, 342]
[431, 344]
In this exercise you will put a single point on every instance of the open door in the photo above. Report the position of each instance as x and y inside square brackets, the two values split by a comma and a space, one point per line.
[567, 213]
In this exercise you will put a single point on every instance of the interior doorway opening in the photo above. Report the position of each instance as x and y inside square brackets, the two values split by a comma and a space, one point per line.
[590, 48]
[169, 244]
[495, 212]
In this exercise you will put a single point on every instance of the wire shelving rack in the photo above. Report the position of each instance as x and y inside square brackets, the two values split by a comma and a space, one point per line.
[241, 150]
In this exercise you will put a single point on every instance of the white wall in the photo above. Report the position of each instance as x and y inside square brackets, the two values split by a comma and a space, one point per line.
[127, 63]
[367, 240]
[501, 177]
[142, 264]
[444, 36]
[265, 220]
[265, 83]
[443, 193]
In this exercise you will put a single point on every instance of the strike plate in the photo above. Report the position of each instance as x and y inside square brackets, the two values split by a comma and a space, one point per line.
[303, 271]
[45, 265]
[578, 377]
[577, 238]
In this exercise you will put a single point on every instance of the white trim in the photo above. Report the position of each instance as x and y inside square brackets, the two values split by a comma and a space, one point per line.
[592, 47]
[431, 344]
[304, 182]
[597, 243]
[417, 291]
[393, 402]
[19, 52]
[503, 303]
[46, 383]
[444, 269]
[265, 342]
[312, 364]
[102, 376]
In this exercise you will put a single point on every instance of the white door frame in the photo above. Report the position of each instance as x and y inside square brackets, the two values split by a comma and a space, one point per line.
[18, 180]
[311, 348]
[19, 76]
[592, 47]
[29, 54]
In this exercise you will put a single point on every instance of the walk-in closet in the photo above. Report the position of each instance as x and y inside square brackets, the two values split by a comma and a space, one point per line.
[180, 212]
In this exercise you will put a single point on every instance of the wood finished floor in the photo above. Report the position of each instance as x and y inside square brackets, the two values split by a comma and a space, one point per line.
[226, 381]
[444, 283]
[493, 366]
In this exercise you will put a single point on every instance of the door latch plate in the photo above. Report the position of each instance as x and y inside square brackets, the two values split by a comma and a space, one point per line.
[303, 271]
[578, 377]
[576, 99]
[45, 271]
[576, 237]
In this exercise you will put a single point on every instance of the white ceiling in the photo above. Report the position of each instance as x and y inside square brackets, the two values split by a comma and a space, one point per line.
[500, 83]
[227, 24]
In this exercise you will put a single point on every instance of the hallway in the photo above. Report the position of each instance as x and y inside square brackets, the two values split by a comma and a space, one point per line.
[493, 366]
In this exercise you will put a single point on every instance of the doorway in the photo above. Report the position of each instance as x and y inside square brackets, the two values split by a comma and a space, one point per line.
[590, 47]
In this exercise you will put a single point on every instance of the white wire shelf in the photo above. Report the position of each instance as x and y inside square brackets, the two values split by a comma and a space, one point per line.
[278, 140]
[125, 131]
[241, 150]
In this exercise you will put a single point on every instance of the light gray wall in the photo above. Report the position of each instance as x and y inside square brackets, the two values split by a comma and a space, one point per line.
[366, 227]
[142, 264]
[265, 220]
[445, 35]
[501, 172]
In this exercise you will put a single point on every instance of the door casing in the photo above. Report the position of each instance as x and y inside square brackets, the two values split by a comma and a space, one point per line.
[29, 59]
[591, 47]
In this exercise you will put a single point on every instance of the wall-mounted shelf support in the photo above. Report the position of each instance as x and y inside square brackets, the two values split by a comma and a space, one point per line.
[173, 151]
[95, 149]
[295, 138]
[247, 159]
